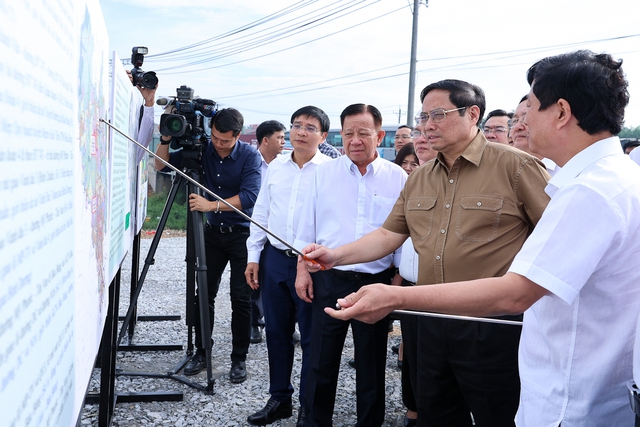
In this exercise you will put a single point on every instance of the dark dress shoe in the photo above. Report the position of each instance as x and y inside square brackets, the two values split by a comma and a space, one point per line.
[256, 335]
[238, 372]
[352, 363]
[197, 363]
[302, 413]
[395, 348]
[271, 412]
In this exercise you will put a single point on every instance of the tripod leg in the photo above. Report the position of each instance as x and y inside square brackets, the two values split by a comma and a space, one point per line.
[149, 260]
[197, 231]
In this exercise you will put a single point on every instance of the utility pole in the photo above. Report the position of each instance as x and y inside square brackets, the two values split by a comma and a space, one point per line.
[399, 113]
[412, 65]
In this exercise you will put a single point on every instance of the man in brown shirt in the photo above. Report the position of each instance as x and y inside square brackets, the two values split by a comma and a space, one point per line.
[468, 213]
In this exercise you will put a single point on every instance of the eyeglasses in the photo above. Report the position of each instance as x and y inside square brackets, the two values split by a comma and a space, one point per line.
[309, 129]
[497, 129]
[511, 123]
[404, 136]
[437, 115]
[415, 134]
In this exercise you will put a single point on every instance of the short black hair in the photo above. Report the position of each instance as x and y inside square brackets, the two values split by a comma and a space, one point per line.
[316, 113]
[355, 109]
[461, 94]
[268, 128]
[499, 113]
[228, 119]
[405, 127]
[593, 85]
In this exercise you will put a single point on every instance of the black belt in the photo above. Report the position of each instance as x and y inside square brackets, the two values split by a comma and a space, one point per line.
[287, 252]
[227, 229]
[356, 275]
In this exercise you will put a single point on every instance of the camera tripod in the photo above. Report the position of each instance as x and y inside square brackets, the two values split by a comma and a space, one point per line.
[196, 272]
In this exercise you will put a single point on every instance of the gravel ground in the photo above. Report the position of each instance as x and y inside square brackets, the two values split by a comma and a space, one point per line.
[164, 293]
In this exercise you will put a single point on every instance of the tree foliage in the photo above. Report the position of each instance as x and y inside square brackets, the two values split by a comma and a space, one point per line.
[630, 132]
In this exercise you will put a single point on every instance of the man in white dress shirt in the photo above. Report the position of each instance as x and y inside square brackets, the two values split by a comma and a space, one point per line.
[270, 136]
[576, 275]
[348, 198]
[271, 266]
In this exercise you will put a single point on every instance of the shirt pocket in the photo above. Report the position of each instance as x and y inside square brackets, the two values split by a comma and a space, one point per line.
[419, 216]
[380, 209]
[478, 218]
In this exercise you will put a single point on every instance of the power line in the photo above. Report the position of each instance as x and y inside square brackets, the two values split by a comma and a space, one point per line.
[282, 12]
[279, 50]
[296, 23]
[520, 52]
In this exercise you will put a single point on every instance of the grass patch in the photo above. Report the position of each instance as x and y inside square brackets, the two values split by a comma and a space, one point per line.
[177, 219]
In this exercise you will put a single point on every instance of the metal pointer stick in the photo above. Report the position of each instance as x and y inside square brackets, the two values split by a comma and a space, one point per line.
[206, 190]
[456, 317]
[452, 316]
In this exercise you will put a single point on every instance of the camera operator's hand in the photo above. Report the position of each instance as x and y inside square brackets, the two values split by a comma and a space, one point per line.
[149, 95]
[200, 204]
[251, 274]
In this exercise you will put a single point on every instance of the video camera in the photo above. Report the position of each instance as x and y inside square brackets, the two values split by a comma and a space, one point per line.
[146, 79]
[186, 125]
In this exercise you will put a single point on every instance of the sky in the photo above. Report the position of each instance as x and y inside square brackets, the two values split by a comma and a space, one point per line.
[360, 50]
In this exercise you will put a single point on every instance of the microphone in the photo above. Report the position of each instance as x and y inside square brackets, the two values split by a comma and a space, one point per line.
[164, 100]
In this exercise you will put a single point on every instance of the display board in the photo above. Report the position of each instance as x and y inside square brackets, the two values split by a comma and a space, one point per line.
[68, 200]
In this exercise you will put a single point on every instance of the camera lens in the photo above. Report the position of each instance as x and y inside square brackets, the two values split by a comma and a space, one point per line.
[149, 80]
[174, 124]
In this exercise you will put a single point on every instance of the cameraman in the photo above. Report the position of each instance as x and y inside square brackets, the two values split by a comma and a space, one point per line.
[145, 121]
[231, 169]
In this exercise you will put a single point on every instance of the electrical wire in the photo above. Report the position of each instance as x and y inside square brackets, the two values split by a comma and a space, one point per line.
[280, 50]
[515, 53]
[278, 14]
[292, 25]
[272, 52]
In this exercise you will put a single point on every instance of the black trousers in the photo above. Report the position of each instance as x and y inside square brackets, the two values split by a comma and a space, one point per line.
[327, 341]
[220, 249]
[463, 367]
[409, 326]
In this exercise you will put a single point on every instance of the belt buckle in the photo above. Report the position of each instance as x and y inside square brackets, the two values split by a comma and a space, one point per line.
[225, 230]
[290, 253]
[633, 395]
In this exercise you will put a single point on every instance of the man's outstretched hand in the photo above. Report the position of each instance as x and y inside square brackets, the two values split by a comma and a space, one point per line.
[370, 304]
[318, 257]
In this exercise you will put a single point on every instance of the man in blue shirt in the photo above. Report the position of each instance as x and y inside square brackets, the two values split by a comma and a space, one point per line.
[231, 169]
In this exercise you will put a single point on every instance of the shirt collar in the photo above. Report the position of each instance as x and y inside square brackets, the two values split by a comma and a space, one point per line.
[473, 152]
[579, 162]
[316, 159]
[374, 166]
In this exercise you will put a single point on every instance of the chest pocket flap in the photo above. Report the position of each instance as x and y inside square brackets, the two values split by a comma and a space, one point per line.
[478, 218]
[484, 203]
[419, 216]
[421, 203]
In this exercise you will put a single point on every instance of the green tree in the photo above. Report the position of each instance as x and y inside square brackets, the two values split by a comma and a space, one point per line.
[630, 132]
